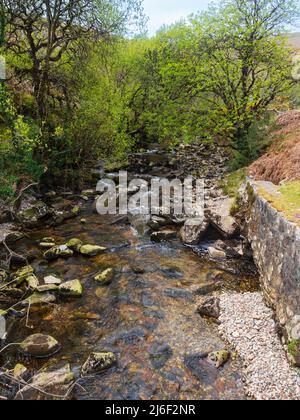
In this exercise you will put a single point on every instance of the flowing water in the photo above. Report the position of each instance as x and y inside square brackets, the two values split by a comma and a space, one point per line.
[147, 316]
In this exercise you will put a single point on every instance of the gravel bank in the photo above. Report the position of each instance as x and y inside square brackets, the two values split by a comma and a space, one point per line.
[247, 324]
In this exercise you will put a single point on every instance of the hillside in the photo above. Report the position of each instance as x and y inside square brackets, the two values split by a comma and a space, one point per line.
[282, 162]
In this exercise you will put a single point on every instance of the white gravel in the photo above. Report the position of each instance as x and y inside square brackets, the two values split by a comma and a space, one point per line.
[248, 325]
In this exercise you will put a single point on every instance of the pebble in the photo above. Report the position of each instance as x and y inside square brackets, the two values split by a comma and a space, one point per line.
[268, 374]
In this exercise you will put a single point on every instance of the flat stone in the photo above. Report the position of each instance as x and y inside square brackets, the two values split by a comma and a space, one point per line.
[98, 362]
[52, 280]
[71, 288]
[194, 230]
[40, 346]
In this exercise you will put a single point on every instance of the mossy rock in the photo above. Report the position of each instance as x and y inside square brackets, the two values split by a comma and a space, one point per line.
[61, 251]
[219, 358]
[4, 276]
[74, 244]
[21, 275]
[40, 346]
[71, 288]
[98, 362]
[47, 245]
[75, 211]
[106, 276]
[91, 250]
[32, 281]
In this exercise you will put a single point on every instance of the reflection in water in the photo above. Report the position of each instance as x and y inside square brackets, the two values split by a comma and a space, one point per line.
[146, 316]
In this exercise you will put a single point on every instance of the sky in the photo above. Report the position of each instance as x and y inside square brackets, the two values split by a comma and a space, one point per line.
[169, 11]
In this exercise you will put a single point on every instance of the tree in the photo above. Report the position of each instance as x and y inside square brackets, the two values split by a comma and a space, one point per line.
[47, 34]
[244, 61]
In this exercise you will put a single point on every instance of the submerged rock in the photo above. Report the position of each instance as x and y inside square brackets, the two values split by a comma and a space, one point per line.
[32, 212]
[40, 346]
[37, 299]
[71, 288]
[209, 307]
[91, 250]
[61, 251]
[49, 386]
[106, 276]
[208, 287]
[193, 231]
[98, 362]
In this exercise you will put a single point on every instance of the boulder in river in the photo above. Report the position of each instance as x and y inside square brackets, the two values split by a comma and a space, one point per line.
[72, 288]
[60, 251]
[106, 276]
[47, 245]
[38, 299]
[216, 254]
[193, 231]
[91, 250]
[54, 385]
[209, 307]
[32, 211]
[98, 362]
[220, 217]
[40, 346]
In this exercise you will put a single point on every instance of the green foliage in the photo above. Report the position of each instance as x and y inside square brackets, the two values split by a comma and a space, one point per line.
[293, 347]
[291, 192]
[232, 182]
[212, 78]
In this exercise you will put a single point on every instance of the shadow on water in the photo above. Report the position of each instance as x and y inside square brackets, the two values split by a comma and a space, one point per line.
[146, 316]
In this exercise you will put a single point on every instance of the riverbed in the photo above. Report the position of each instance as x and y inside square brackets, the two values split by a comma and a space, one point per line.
[147, 316]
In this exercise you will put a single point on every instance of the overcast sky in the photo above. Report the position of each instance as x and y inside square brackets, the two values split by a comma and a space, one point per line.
[169, 11]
